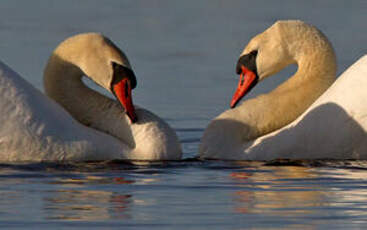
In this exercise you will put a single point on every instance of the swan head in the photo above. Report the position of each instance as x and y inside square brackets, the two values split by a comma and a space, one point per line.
[101, 60]
[282, 44]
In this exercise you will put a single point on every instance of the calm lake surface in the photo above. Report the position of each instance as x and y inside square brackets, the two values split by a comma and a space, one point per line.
[184, 55]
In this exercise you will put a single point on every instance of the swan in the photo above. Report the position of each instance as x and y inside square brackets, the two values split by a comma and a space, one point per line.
[74, 122]
[309, 116]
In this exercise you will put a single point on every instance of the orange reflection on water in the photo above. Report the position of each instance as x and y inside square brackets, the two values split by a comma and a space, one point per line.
[86, 205]
[121, 180]
[240, 175]
[92, 180]
[75, 202]
[270, 194]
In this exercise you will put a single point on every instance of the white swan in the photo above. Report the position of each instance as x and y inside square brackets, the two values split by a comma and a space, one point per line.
[35, 128]
[266, 127]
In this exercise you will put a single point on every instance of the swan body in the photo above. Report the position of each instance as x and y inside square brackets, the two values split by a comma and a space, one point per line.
[308, 116]
[87, 125]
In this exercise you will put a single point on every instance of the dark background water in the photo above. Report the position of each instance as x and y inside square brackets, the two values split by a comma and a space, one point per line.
[184, 55]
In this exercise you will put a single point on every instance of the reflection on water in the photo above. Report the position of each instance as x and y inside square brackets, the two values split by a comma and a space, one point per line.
[75, 203]
[273, 194]
[311, 196]
[178, 195]
[86, 205]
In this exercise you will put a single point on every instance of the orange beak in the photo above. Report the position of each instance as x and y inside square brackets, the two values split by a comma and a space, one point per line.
[122, 91]
[247, 80]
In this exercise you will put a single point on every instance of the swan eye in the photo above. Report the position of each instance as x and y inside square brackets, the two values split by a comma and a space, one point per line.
[247, 60]
[120, 72]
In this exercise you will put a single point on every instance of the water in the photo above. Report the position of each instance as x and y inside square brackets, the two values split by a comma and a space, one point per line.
[184, 55]
[184, 195]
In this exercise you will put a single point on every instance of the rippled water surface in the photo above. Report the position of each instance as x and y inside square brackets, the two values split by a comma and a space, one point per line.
[184, 55]
[184, 195]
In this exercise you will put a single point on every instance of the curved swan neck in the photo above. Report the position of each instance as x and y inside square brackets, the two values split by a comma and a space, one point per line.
[286, 102]
[316, 72]
[284, 43]
[316, 61]
[63, 83]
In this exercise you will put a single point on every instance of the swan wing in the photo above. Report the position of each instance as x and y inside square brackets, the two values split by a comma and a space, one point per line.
[35, 128]
[334, 126]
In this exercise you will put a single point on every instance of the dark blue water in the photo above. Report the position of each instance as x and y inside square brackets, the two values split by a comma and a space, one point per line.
[184, 55]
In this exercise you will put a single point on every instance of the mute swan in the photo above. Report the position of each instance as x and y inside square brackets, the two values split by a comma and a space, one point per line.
[89, 125]
[266, 127]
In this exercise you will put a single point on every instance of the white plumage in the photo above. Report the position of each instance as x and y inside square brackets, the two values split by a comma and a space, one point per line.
[35, 128]
[292, 121]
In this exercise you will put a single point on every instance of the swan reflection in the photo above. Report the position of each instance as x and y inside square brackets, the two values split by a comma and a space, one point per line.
[74, 202]
[87, 205]
[300, 193]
